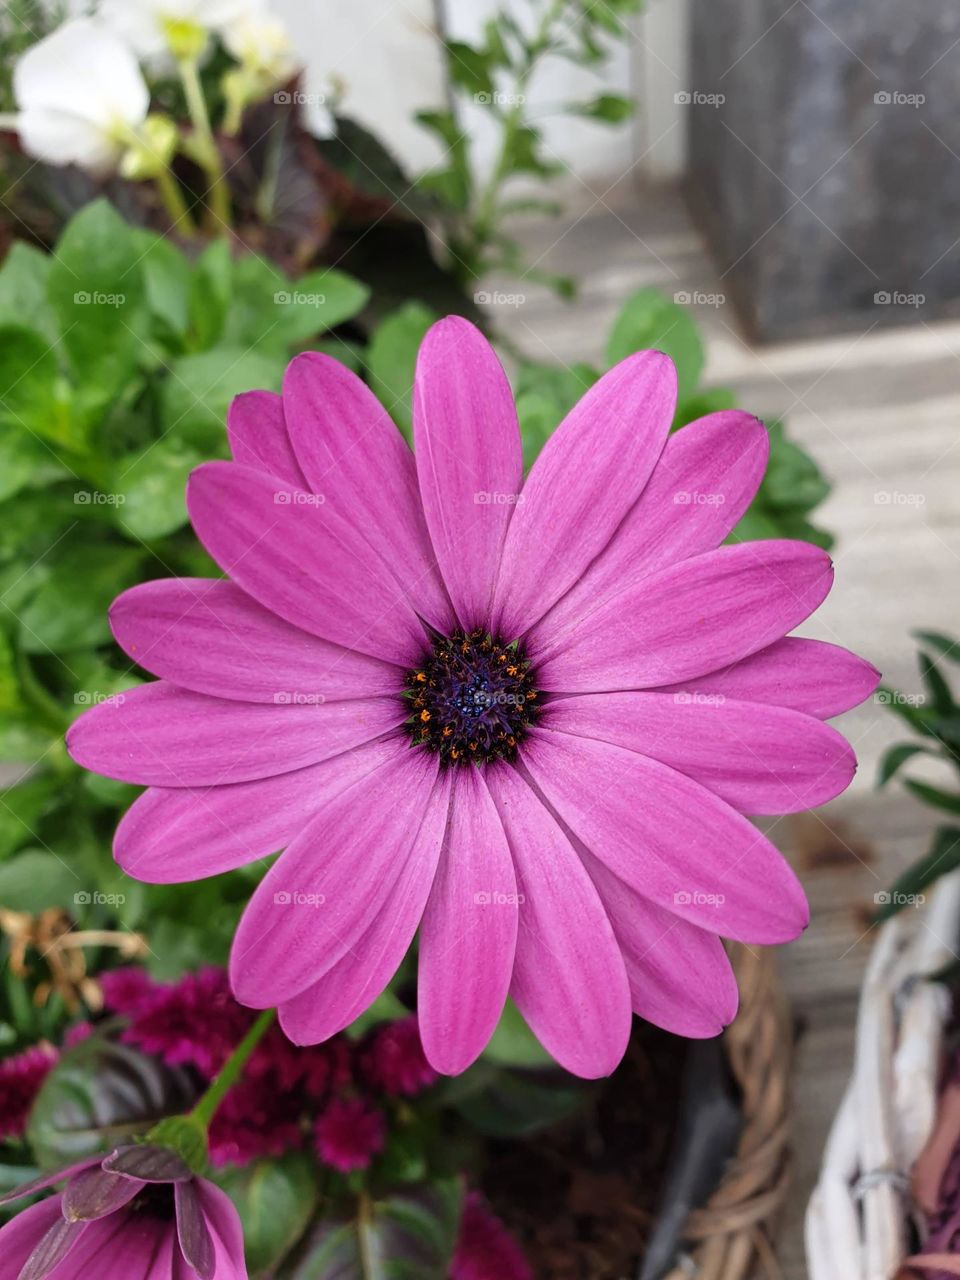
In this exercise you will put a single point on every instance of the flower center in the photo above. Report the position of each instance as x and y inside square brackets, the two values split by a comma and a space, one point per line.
[473, 698]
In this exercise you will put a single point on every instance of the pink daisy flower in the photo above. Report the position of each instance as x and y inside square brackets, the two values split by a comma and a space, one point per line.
[20, 1079]
[138, 1213]
[394, 1061]
[525, 717]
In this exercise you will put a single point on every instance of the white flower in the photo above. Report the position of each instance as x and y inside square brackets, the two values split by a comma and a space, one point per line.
[80, 94]
[261, 43]
[160, 29]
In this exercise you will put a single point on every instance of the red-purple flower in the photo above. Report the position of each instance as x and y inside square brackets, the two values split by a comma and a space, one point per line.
[139, 1213]
[527, 717]
[485, 1248]
[394, 1062]
[348, 1133]
[20, 1079]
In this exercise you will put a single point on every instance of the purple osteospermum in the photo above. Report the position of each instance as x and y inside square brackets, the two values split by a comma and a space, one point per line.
[139, 1213]
[527, 717]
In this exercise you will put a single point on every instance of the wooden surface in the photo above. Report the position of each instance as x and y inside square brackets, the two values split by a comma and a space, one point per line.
[880, 411]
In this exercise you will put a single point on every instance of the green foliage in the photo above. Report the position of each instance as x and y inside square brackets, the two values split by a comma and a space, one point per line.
[119, 356]
[495, 74]
[275, 1200]
[934, 716]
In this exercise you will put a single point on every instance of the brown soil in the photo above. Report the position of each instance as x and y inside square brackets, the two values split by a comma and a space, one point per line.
[581, 1198]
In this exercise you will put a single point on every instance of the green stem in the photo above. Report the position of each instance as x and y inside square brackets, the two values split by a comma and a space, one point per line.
[39, 698]
[174, 203]
[487, 204]
[207, 153]
[232, 1069]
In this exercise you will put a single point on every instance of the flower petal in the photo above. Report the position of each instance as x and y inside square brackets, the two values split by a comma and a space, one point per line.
[820, 679]
[224, 1223]
[669, 838]
[193, 1234]
[21, 1235]
[161, 736]
[705, 479]
[351, 451]
[692, 617]
[302, 561]
[209, 636]
[469, 932]
[186, 833]
[355, 981]
[469, 459]
[680, 976]
[95, 1193]
[258, 436]
[760, 759]
[569, 979]
[324, 892]
[590, 473]
[53, 1249]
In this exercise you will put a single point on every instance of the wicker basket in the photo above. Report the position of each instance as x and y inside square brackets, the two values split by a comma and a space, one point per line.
[731, 1237]
[859, 1214]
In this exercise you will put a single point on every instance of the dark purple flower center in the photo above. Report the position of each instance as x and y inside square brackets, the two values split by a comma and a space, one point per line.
[473, 698]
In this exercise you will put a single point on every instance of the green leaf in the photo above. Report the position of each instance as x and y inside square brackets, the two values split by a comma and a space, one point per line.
[909, 708]
[515, 1104]
[70, 610]
[611, 108]
[513, 1044]
[22, 742]
[200, 388]
[947, 647]
[24, 459]
[23, 290]
[451, 182]
[271, 313]
[210, 294]
[896, 757]
[392, 356]
[470, 69]
[934, 683]
[275, 1200]
[522, 154]
[649, 321]
[698, 406]
[21, 808]
[168, 282]
[946, 800]
[9, 680]
[944, 856]
[99, 1094]
[34, 879]
[152, 486]
[96, 288]
[793, 481]
[410, 1235]
[32, 398]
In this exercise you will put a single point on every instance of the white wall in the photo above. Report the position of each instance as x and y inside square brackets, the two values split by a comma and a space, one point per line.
[387, 53]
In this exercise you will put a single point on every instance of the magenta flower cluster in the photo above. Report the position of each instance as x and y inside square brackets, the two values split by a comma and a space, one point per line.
[336, 1090]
